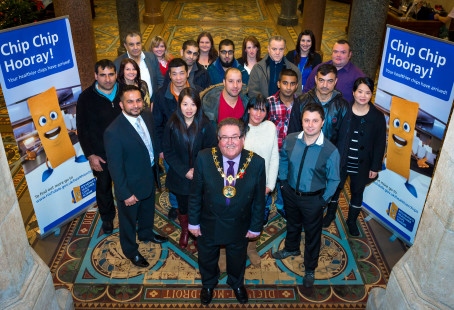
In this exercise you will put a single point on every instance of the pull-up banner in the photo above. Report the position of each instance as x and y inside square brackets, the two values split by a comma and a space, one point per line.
[41, 84]
[415, 91]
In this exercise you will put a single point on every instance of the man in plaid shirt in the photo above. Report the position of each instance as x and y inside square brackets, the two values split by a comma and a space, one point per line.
[280, 109]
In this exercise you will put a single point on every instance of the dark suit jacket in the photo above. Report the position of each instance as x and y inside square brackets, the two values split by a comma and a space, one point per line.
[153, 66]
[128, 158]
[207, 205]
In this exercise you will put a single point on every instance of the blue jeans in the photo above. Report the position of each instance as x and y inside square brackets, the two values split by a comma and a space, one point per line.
[172, 199]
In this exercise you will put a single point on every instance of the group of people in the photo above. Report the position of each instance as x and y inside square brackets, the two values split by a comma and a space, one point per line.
[230, 132]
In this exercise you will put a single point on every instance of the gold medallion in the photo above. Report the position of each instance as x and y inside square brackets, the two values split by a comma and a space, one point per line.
[229, 191]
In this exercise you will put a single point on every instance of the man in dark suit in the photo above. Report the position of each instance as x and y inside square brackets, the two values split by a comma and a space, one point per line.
[129, 144]
[147, 62]
[226, 207]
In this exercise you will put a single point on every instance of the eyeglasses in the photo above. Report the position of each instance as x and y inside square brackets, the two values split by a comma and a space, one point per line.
[227, 139]
[224, 52]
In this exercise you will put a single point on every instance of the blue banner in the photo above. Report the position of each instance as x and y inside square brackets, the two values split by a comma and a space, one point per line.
[32, 53]
[41, 85]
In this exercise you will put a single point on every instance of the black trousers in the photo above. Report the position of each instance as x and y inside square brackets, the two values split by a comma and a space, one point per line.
[104, 195]
[209, 256]
[140, 215]
[307, 212]
[183, 201]
[356, 188]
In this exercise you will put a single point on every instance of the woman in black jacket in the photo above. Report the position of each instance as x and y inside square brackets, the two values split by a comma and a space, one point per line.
[187, 132]
[361, 144]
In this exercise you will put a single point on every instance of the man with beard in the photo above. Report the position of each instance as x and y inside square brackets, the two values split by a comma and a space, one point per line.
[130, 147]
[226, 100]
[226, 60]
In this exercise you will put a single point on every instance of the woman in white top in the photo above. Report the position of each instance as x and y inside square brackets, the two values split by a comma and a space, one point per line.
[261, 138]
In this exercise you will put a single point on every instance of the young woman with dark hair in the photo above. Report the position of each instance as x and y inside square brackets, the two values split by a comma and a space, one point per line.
[304, 55]
[187, 132]
[207, 52]
[129, 74]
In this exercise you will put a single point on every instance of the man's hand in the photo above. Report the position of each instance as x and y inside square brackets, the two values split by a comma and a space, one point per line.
[161, 155]
[190, 174]
[251, 235]
[95, 162]
[267, 190]
[131, 201]
[372, 174]
[195, 232]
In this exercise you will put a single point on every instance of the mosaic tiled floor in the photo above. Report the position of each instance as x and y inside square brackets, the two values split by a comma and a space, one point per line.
[94, 268]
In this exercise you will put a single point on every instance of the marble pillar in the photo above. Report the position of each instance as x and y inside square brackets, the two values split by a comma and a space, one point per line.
[288, 15]
[366, 32]
[313, 17]
[153, 13]
[422, 277]
[80, 19]
[26, 282]
[128, 20]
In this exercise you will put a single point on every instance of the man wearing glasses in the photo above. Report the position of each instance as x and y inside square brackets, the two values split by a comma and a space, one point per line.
[226, 207]
[226, 60]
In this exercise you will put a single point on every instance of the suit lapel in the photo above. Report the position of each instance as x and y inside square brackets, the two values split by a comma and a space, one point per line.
[130, 131]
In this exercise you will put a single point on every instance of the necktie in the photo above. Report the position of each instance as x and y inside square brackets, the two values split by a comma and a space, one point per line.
[230, 172]
[145, 139]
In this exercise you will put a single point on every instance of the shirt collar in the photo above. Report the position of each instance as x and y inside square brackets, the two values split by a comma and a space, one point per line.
[319, 140]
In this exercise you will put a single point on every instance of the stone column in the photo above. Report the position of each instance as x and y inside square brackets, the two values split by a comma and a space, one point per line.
[128, 20]
[366, 32]
[26, 282]
[422, 277]
[153, 13]
[80, 19]
[288, 15]
[313, 17]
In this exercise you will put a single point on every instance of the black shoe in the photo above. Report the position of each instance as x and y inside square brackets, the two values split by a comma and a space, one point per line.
[206, 296]
[139, 261]
[241, 294]
[156, 239]
[282, 213]
[172, 215]
[284, 254]
[265, 218]
[107, 227]
[309, 279]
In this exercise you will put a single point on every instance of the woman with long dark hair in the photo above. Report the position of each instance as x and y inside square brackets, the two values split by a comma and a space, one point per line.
[129, 74]
[251, 53]
[361, 144]
[187, 132]
[261, 138]
[304, 55]
[207, 52]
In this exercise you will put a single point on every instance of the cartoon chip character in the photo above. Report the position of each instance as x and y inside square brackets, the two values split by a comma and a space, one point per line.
[50, 124]
[402, 122]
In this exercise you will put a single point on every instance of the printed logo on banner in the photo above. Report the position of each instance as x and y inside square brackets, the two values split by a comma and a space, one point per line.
[31, 53]
[418, 62]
